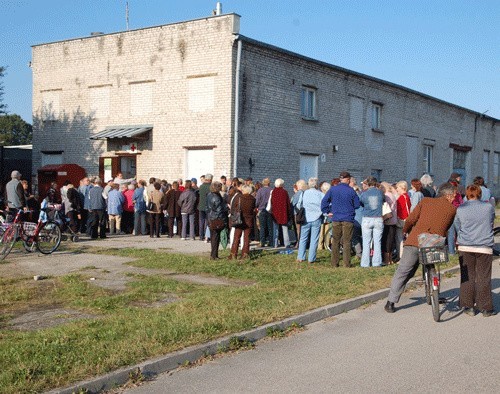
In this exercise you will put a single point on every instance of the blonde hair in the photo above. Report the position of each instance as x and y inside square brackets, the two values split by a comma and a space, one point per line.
[325, 187]
[301, 184]
[386, 186]
[402, 185]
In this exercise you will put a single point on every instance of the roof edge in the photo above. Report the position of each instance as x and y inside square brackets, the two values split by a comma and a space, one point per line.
[358, 74]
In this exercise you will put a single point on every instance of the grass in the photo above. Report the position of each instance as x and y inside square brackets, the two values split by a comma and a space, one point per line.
[274, 287]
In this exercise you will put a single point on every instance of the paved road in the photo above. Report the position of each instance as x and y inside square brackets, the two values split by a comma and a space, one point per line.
[363, 351]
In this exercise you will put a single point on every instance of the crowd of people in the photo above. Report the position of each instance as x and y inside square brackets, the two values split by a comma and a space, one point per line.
[377, 221]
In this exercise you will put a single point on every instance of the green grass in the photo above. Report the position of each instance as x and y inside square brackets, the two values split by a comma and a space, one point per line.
[271, 287]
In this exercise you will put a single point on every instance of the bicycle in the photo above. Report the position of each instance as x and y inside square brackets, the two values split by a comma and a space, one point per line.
[44, 236]
[430, 258]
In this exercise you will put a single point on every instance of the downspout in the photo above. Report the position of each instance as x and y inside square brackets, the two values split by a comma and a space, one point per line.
[236, 109]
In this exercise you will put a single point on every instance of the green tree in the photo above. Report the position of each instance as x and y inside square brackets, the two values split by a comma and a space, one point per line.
[14, 130]
[3, 107]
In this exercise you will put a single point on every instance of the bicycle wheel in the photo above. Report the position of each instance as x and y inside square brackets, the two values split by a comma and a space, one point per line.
[7, 241]
[496, 235]
[29, 246]
[427, 283]
[49, 238]
[434, 295]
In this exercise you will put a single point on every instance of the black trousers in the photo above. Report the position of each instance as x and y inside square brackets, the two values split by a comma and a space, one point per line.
[215, 242]
[154, 224]
[98, 223]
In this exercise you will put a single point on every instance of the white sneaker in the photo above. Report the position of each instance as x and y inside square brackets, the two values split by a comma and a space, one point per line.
[183, 239]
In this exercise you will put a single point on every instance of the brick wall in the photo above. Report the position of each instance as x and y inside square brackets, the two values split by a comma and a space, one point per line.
[160, 61]
[273, 133]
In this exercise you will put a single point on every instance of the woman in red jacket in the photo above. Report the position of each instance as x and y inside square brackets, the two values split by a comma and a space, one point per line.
[403, 208]
[281, 211]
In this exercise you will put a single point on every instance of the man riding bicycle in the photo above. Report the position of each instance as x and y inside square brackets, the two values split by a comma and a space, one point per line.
[431, 215]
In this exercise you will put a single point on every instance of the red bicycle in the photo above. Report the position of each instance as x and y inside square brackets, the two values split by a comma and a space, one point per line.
[44, 236]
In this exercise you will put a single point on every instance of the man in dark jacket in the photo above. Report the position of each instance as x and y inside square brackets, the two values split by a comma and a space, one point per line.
[202, 204]
[97, 210]
[173, 209]
[340, 203]
[187, 202]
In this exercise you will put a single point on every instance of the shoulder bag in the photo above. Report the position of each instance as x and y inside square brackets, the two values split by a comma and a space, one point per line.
[300, 216]
[236, 217]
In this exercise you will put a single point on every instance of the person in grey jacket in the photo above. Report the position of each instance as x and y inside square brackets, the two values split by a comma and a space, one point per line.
[474, 225]
[97, 210]
[15, 194]
[187, 202]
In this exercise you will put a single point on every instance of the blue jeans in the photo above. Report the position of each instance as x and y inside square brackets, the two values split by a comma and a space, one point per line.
[372, 229]
[451, 240]
[140, 223]
[311, 229]
[276, 234]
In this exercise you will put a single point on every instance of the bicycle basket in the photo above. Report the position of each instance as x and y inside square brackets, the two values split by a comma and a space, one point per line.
[433, 255]
[29, 228]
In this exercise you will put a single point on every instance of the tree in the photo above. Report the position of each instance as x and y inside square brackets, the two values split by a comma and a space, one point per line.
[14, 130]
[3, 107]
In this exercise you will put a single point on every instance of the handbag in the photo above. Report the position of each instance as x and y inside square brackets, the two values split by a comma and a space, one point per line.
[386, 211]
[236, 217]
[300, 216]
[150, 203]
[269, 206]
[217, 224]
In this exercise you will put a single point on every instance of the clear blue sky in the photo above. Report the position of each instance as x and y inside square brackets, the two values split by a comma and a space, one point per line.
[446, 49]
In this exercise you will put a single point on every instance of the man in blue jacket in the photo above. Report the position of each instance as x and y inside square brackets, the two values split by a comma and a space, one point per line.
[339, 204]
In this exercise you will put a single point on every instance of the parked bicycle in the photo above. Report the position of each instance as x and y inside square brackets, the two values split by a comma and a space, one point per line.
[430, 258]
[44, 236]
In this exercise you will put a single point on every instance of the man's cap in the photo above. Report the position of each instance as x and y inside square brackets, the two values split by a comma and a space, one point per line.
[344, 175]
[194, 180]
[15, 174]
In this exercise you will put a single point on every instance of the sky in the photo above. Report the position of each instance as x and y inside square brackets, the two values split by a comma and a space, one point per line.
[448, 49]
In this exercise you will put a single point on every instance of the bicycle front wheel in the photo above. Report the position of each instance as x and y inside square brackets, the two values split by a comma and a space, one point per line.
[49, 238]
[496, 235]
[427, 283]
[7, 241]
[434, 295]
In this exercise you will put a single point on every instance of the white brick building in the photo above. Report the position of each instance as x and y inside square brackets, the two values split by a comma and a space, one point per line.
[188, 98]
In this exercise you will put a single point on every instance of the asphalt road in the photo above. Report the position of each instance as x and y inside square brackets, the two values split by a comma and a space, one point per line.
[363, 351]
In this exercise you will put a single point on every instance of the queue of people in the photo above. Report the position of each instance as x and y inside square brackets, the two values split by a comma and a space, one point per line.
[379, 221]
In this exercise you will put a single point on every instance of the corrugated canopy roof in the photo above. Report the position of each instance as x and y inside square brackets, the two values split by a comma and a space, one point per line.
[121, 132]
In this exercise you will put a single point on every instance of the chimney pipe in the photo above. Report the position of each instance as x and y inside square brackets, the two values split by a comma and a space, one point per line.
[218, 8]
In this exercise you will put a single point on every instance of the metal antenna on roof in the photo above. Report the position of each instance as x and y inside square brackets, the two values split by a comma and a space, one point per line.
[126, 14]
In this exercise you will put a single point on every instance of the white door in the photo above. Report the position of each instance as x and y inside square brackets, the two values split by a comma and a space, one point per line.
[199, 162]
[411, 158]
[308, 167]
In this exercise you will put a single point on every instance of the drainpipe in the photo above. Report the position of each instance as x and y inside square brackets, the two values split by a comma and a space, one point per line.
[236, 110]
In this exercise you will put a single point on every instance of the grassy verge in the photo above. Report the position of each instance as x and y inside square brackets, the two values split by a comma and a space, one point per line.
[125, 332]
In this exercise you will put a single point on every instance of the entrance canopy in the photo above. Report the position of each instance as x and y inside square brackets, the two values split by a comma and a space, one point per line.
[134, 132]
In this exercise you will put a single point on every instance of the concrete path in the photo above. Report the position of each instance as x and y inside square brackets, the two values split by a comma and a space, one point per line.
[362, 351]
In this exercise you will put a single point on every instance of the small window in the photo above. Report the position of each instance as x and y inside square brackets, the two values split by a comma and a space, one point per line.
[376, 115]
[308, 103]
[486, 165]
[428, 159]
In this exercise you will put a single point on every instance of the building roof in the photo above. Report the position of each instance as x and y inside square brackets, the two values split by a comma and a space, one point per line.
[357, 74]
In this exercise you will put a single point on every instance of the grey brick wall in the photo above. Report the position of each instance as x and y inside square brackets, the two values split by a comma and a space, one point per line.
[273, 133]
